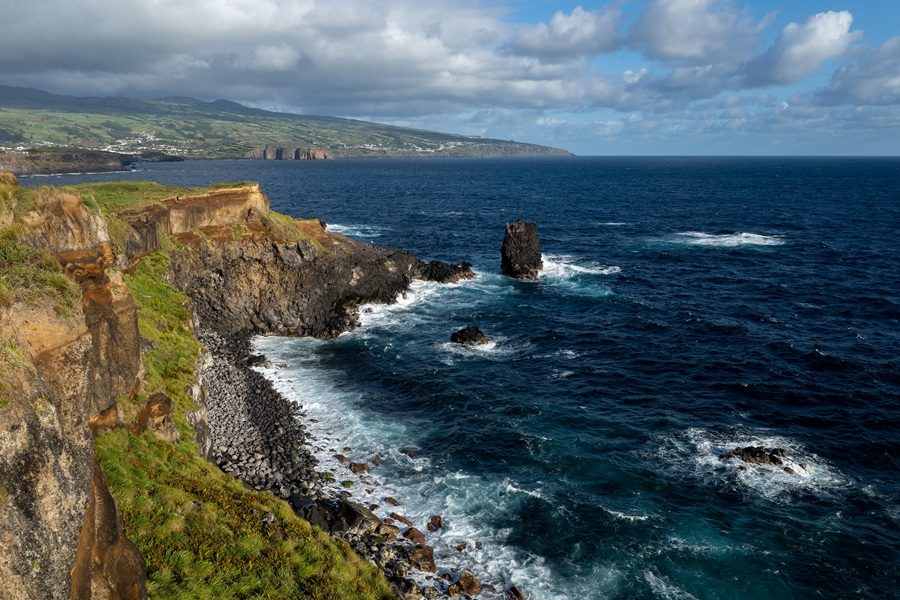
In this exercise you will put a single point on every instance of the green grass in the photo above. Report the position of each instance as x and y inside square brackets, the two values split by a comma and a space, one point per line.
[28, 275]
[203, 536]
[200, 531]
[217, 131]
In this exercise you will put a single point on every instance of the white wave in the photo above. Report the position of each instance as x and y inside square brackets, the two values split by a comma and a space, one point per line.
[698, 451]
[663, 588]
[726, 240]
[468, 503]
[387, 315]
[498, 349]
[612, 223]
[561, 266]
[625, 517]
[358, 231]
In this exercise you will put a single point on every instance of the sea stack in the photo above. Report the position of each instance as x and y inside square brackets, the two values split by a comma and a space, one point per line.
[520, 256]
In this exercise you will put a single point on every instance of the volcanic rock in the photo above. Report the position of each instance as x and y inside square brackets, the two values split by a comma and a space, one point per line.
[445, 273]
[514, 593]
[469, 336]
[421, 557]
[520, 256]
[414, 535]
[467, 584]
[435, 523]
[757, 455]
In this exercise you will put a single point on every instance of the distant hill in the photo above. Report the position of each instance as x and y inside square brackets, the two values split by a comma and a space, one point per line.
[188, 127]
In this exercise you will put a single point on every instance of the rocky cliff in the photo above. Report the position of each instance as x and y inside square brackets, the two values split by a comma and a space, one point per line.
[97, 347]
[69, 351]
[279, 153]
[37, 162]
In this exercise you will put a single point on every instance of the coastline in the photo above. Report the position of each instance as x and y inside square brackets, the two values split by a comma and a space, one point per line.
[241, 399]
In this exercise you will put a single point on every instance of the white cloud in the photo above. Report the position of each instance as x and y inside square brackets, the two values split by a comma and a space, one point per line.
[874, 79]
[579, 33]
[801, 49]
[695, 31]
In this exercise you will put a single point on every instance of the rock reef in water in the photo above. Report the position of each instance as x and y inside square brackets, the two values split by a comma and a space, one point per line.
[469, 336]
[520, 255]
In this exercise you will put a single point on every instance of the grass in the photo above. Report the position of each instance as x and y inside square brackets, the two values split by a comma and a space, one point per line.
[201, 532]
[28, 275]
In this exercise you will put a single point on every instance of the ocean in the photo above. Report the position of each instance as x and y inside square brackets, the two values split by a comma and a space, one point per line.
[688, 306]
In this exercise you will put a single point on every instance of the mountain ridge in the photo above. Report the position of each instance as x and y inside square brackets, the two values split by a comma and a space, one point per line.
[184, 126]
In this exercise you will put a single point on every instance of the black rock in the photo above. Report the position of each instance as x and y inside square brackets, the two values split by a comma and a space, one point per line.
[442, 272]
[470, 336]
[757, 455]
[520, 256]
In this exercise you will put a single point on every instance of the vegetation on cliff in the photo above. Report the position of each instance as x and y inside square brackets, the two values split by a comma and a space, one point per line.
[201, 533]
[221, 129]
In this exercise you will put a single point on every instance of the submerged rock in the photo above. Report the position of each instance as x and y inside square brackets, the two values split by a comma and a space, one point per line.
[520, 256]
[470, 336]
[757, 455]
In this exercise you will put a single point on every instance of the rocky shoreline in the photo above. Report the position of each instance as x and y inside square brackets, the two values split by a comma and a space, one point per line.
[258, 437]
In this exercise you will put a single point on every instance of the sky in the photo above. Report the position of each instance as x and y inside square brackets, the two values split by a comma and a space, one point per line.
[620, 77]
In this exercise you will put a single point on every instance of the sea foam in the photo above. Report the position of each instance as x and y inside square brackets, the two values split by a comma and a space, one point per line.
[724, 240]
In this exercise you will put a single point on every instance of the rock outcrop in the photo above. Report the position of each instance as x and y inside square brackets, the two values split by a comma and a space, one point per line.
[469, 336]
[46, 162]
[520, 256]
[60, 533]
[757, 455]
[280, 153]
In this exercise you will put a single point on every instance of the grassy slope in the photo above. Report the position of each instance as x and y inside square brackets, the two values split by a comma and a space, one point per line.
[201, 532]
[217, 129]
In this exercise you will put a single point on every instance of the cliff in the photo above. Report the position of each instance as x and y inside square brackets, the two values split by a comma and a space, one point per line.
[43, 162]
[110, 404]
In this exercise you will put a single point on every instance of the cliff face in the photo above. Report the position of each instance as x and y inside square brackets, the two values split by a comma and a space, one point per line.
[278, 153]
[70, 366]
[61, 161]
[71, 371]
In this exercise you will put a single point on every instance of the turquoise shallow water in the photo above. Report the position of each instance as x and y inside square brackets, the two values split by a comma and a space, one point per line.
[687, 306]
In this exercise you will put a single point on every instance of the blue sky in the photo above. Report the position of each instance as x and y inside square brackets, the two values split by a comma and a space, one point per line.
[616, 77]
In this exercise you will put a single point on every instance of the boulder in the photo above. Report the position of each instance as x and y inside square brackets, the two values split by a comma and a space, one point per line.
[156, 416]
[435, 523]
[520, 256]
[414, 535]
[359, 468]
[469, 336]
[445, 273]
[514, 593]
[467, 584]
[757, 455]
[421, 557]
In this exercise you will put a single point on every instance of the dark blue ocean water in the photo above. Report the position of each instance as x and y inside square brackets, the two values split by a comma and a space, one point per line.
[688, 306]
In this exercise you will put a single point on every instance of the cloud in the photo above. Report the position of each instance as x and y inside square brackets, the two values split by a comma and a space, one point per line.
[873, 80]
[801, 49]
[579, 33]
[696, 31]
[463, 64]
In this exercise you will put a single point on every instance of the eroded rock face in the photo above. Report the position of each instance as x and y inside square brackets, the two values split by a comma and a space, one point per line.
[107, 564]
[75, 364]
[156, 416]
[520, 256]
[288, 289]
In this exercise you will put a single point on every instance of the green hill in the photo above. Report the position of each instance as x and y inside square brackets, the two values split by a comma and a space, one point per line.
[192, 128]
